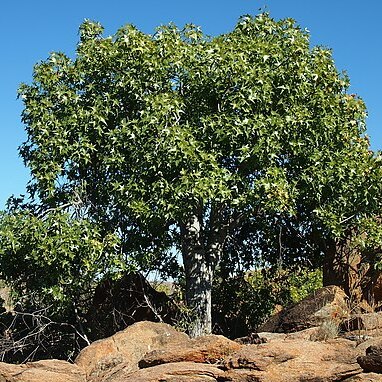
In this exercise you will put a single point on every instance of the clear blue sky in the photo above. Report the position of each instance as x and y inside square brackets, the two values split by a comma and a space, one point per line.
[33, 29]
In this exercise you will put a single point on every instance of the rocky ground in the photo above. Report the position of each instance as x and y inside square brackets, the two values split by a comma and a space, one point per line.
[156, 352]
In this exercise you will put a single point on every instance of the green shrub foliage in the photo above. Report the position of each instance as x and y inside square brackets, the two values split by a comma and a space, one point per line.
[54, 259]
[244, 301]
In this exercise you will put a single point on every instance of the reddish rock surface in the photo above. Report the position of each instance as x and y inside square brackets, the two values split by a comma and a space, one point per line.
[49, 371]
[173, 372]
[154, 352]
[365, 377]
[125, 349]
[284, 358]
[207, 349]
[297, 360]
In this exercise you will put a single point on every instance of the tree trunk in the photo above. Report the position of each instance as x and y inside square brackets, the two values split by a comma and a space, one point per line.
[199, 265]
[199, 278]
[343, 266]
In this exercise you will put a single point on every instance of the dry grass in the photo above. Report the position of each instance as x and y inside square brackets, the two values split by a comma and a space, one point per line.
[329, 329]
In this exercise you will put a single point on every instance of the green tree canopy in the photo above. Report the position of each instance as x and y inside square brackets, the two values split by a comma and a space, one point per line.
[181, 143]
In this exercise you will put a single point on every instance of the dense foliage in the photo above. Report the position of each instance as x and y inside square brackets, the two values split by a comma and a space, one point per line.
[55, 259]
[239, 149]
[244, 301]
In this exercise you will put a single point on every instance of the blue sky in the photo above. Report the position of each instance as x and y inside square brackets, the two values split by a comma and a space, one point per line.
[33, 29]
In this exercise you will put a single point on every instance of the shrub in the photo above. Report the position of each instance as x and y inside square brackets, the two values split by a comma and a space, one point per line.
[244, 301]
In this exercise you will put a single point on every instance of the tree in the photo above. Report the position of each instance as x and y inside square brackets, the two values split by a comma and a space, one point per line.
[52, 263]
[178, 142]
[54, 258]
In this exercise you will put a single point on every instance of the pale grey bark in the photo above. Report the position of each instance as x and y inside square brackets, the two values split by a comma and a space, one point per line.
[200, 257]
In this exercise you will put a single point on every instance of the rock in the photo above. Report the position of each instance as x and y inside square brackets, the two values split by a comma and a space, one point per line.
[306, 334]
[363, 322]
[328, 303]
[251, 339]
[120, 303]
[365, 377]
[206, 349]
[279, 360]
[48, 370]
[156, 352]
[272, 324]
[125, 349]
[372, 361]
[288, 360]
[270, 336]
[358, 338]
[296, 360]
[173, 372]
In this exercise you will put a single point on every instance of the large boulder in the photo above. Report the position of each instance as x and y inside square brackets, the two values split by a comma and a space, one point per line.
[326, 304]
[48, 370]
[156, 352]
[126, 348]
[372, 361]
[120, 303]
[297, 360]
[278, 360]
[173, 372]
[207, 349]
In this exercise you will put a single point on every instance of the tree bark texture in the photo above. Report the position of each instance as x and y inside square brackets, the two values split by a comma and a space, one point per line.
[200, 260]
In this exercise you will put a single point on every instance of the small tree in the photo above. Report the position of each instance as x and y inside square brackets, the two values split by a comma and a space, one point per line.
[177, 141]
[54, 260]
